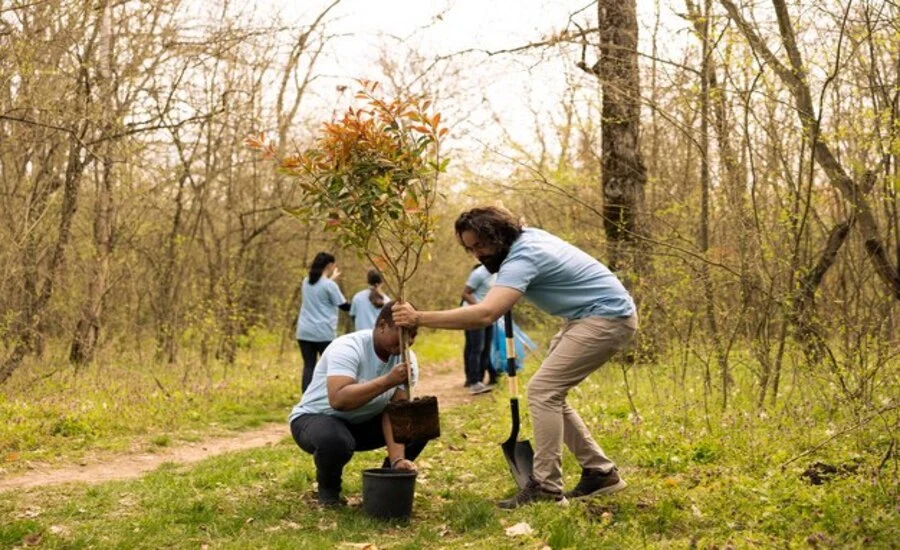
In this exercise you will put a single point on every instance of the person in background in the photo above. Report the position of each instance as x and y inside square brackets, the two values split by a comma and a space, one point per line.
[367, 303]
[599, 319]
[318, 317]
[477, 351]
[343, 411]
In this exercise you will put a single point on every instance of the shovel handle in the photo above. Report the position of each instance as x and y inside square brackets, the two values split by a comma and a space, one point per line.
[510, 354]
[404, 356]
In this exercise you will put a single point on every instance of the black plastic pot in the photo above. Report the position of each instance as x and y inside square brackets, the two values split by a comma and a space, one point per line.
[388, 493]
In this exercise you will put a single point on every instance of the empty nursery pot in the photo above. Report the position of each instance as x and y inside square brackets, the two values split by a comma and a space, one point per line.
[388, 493]
[415, 420]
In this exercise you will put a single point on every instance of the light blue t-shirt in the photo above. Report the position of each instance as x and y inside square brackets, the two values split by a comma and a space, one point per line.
[480, 281]
[350, 355]
[318, 318]
[363, 312]
[562, 279]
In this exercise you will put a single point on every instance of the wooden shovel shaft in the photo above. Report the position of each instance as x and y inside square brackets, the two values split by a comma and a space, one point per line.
[511, 355]
[404, 356]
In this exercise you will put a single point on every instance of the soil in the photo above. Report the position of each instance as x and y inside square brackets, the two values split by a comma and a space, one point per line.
[416, 420]
[443, 380]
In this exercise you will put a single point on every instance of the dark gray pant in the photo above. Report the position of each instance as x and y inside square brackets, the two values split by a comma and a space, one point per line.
[477, 355]
[311, 351]
[332, 442]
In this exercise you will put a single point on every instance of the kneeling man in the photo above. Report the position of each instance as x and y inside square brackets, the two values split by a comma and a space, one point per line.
[342, 410]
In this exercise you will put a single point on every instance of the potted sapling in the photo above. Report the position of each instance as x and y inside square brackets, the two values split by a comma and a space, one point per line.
[372, 176]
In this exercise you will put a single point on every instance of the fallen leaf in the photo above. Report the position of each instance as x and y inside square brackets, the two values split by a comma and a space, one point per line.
[519, 529]
[30, 513]
[359, 545]
[32, 540]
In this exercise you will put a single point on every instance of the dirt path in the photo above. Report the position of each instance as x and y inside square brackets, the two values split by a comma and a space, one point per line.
[443, 380]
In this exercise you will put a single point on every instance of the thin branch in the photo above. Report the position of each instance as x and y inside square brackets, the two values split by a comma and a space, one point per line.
[856, 426]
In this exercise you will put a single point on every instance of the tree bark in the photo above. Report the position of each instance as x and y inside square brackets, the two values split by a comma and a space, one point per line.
[87, 330]
[623, 172]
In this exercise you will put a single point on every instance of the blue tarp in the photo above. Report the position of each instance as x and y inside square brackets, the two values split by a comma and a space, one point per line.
[498, 347]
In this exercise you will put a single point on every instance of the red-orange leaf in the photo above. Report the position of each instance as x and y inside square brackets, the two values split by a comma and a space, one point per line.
[380, 262]
[410, 204]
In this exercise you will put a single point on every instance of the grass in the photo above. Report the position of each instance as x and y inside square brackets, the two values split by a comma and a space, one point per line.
[696, 480]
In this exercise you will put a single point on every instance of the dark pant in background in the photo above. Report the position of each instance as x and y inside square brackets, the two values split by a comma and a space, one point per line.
[311, 351]
[332, 442]
[477, 355]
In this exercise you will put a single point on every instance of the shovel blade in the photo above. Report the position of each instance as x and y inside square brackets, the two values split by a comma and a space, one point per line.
[520, 458]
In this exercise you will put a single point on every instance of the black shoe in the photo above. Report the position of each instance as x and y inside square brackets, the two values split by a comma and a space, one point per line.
[331, 499]
[533, 492]
[596, 482]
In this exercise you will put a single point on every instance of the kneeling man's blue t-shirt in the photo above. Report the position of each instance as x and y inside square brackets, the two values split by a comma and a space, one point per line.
[562, 279]
[350, 355]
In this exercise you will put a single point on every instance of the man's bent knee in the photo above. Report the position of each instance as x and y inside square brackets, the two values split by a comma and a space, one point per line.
[544, 394]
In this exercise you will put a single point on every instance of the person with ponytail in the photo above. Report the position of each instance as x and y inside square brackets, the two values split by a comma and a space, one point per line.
[318, 317]
[367, 303]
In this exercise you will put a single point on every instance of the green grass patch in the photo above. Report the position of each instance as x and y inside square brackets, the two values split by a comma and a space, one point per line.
[130, 404]
[697, 478]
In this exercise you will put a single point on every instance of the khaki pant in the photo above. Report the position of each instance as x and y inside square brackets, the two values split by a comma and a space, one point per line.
[578, 349]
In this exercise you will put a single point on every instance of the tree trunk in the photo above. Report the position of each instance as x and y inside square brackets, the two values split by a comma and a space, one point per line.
[623, 172]
[87, 330]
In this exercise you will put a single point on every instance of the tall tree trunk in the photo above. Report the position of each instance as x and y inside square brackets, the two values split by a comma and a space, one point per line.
[87, 330]
[623, 172]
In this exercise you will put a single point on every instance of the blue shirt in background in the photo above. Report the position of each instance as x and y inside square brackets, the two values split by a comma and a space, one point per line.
[350, 355]
[480, 281]
[562, 279]
[318, 318]
[362, 310]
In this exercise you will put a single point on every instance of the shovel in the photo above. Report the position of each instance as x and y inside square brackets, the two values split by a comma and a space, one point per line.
[519, 454]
